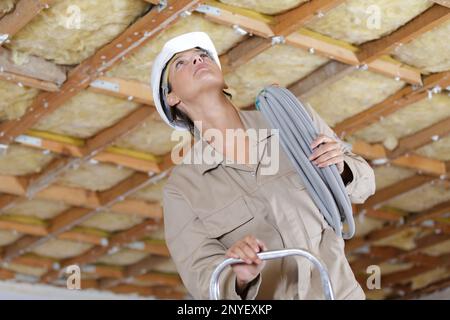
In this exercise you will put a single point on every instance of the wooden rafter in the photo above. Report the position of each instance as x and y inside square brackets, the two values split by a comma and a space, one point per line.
[292, 20]
[24, 12]
[127, 89]
[116, 241]
[91, 147]
[143, 162]
[410, 161]
[395, 102]
[138, 269]
[263, 26]
[445, 3]
[6, 200]
[320, 79]
[35, 68]
[79, 197]
[396, 189]
[381, 256]
[76, 216]
[409, 294]
[343, 52]
[426, 21]
[283, 25]
[80, 77]
[243, 52]
[401, 276]
[411, 221]
[421, 138]
[29, 82]
[160, 292]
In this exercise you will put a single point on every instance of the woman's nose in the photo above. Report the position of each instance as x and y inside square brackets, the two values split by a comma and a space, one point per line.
[197, 59]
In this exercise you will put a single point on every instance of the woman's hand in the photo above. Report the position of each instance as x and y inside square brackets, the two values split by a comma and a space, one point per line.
[246, 249]
[327, 151]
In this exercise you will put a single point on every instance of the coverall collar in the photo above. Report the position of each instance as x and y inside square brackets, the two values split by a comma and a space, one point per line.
[202, 147]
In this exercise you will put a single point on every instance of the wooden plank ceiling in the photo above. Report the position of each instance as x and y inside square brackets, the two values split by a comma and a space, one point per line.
[58, 86]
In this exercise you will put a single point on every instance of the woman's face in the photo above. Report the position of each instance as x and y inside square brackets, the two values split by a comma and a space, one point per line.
[191, 73]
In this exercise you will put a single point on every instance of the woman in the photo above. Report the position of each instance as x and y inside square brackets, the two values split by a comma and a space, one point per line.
[226, 208]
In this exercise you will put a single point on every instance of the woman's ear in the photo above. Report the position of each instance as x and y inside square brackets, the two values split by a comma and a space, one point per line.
[173, 99]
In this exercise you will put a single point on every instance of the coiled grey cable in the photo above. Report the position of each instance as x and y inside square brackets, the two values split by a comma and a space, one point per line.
[286, 113]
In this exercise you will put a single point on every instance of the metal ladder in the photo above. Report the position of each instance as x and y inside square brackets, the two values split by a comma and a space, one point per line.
[214, 289]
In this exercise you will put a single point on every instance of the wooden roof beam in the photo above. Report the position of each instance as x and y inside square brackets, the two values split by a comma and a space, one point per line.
[118, 240]
[445, 3]
[75, 216]
[24, 12]
[90, 148]
[426, 21]
[105, 58]
[387, 193]
[34, 70]
[397, 254]
[263, 26]
[282, 25]
[346, 53]
[393, 103]
[423, 137]
[136, 162]
[411, 221]
[121, 88]
[79, 197]
[320, 79]
[292, 20]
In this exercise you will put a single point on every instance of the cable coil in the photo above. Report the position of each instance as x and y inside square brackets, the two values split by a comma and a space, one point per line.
[285, 112]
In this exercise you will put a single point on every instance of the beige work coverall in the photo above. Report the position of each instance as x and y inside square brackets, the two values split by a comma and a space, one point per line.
[208, 207]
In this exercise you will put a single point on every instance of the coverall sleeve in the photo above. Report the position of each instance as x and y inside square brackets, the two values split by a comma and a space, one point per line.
[195, 254]
[363, 184]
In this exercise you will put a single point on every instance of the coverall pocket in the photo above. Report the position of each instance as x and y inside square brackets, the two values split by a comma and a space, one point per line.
[227, 219]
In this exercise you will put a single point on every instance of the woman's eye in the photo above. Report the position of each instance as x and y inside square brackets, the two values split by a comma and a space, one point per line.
[179, 63]
[204, 55]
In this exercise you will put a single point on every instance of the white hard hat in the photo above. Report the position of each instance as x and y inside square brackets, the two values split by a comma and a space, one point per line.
[176, 45]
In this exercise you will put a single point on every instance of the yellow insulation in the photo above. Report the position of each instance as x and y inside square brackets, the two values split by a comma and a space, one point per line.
[421, 198]
[61, 249]
[403, 240]
[72, 30]
[15, 100]
[7, 5]
[95, 177]
[38, 208]
[8, 237]
[112, 222]
[358, 21]
[437, 150]
[123, 257]
[265, 6]
[86, 114]
[429, 277]
[349, 95]
[280, 64]
[138, 65]
[438, 249]
[151, 193]
[407, 120]
[429, 52]
[153, 136]
[26, 270]
[20, 160]
[387, 175]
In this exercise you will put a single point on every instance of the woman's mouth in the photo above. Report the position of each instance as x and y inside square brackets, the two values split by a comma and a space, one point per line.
[201, 67]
